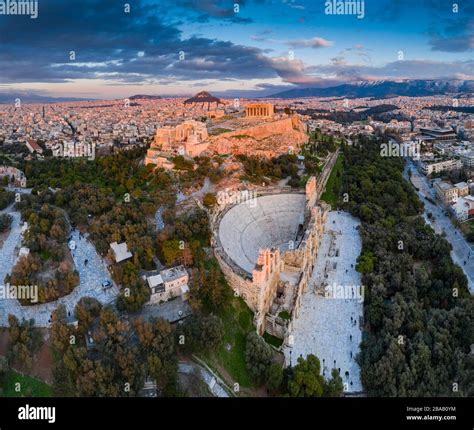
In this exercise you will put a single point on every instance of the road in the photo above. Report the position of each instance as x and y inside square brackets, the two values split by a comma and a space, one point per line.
[462, 253]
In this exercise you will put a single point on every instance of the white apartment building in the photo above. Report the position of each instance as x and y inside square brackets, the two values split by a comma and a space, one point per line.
[463, 209]
[430, 166]
[467, 159]
[167, 284]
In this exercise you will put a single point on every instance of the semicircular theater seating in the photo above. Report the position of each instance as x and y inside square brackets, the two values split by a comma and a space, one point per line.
[265, 222]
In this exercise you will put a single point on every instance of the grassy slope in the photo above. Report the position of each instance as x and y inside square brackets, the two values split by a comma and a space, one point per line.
[237, 319]
[30, 387]
[334, 183]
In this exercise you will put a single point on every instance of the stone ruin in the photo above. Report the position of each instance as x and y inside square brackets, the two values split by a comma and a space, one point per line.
[267, 249]
[188, 139]
[267, 139]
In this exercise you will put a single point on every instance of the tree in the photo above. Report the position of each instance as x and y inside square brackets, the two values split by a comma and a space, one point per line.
[209, 289]
[156, 342]
[6, 198]
[4, 367]
[202, 333]
[334, 387]
[86, 311]
[13, 328]
[274, 376]
[365, 263]
[209, 200]
[60, 332]
[5, 222]
[133, 296]
[171, 251]
[417, 331]
[24, 342]
[258, 357]
[305, 379]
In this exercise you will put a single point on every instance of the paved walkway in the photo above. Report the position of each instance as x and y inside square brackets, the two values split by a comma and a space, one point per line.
[7, 251]
[210, 380]
[159, 223]
[91, 276]
[329, 322]
[462, 254]
[207, 187]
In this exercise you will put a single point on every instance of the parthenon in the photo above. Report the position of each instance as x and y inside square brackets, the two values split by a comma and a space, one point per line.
[259, 110]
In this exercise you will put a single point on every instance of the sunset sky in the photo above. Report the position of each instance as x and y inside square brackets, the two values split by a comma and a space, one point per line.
[267, 46]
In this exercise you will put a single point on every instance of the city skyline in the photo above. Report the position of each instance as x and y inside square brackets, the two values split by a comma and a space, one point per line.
[106, 50]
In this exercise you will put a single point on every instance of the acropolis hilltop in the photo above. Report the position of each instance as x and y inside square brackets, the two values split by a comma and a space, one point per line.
[256, 129]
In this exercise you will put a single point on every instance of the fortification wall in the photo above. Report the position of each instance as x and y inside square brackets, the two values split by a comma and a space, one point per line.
[245, 288]
[263, 130]
[268, 139]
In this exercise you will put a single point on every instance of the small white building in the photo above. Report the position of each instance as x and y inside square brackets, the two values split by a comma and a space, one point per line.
[168, 284]
[463, 208]
[24, 252]
[120, 251]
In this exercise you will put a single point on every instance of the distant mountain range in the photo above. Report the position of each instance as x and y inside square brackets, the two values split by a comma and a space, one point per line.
[383, 89]
[376, 89]
[144, 97]
[9, 98]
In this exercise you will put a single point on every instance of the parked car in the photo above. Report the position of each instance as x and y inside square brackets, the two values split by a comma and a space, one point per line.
[106, 284]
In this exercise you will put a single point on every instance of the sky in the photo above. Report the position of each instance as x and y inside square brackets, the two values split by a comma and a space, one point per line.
[108, 49]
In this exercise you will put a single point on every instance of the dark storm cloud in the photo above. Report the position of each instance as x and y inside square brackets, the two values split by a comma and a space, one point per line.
[213, 8]
[451, 27]
[144, 46]
[107, 41]
[453, 36]
[452, 22]
[207, 10]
